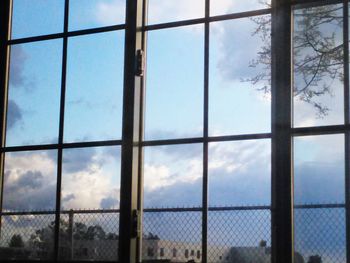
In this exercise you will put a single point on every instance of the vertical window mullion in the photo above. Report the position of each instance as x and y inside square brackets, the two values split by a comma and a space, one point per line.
[130, 215]
[205, 134]
[281, 92]
[61, 131]
[5, 31]
[347, 122]
[141, 128]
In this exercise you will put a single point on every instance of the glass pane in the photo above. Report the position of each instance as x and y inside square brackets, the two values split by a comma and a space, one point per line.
[320, 235]
[30, 181]
[172, 236]
[27, 237]
[319, 161]
[91, 178]
[239, 81]
[95, 13]
[34, 93]
[39, 17]
[174, 106]
[94, 87]
[223, 7]
[160, 11]
[240, 173]
[89, 236]
[318, 66]
[318, 193]
[239, 236]
[173, 176]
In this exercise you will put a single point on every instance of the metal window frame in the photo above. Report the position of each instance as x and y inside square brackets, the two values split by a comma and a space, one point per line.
[132, 142]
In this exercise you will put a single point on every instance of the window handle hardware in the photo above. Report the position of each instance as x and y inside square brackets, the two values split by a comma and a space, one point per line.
[136, 224]
[140, 62]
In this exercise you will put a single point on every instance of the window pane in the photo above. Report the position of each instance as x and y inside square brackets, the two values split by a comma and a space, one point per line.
[319, 161]
[95, 13]
[240, 173]
[174, 106]
[30, 181]
[89, 236]
[91, 178]
[27, 237]
[39, 17]
[239, 180]
[223, 7]
[179, 233]
[34, 93]
[160, 11]
[320, 234]
[318, 66]
[318, 186]
[94, 87]
[173, 176]
[239, 236]
[239, 84]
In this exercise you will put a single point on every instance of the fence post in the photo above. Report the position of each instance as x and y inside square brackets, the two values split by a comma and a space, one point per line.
[70, 233]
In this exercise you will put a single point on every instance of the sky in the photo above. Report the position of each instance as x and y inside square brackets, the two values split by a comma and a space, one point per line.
[239, 172]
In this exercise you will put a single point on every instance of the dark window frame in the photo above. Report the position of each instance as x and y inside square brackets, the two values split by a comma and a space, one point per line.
[281, 135]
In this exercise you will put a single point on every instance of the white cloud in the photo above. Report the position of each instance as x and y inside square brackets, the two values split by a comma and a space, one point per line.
[97, 180]
[110, 12]
[160, 176]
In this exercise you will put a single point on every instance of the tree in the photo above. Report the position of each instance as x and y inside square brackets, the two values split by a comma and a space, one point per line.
[16, 241]
[150, 236]
[317, 54]
[315, 259]
[42, 239]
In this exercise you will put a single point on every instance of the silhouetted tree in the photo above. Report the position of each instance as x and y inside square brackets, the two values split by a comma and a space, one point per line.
[150, 236]
[317, 53]
[43, 238]
[315, 259]
[16, 241]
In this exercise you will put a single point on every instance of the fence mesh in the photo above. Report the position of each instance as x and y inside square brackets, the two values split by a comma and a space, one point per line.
[234, 234]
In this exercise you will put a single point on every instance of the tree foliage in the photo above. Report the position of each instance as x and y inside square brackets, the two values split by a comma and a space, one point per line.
[317, 54]
[315, 259]
[16, 241]
[43, 238]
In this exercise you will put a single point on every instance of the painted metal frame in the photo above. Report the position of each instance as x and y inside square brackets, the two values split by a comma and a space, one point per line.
[132, 142]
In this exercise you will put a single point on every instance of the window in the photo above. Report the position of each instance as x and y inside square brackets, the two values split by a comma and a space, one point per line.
[150, 252]
[229, 109]
[186, 253]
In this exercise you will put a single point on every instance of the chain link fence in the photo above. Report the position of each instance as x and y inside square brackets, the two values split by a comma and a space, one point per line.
[234, 235]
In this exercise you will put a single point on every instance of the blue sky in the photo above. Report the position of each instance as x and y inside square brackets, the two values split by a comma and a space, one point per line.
[239, 172]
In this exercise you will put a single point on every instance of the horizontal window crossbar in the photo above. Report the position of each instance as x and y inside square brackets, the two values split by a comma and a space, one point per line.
[207, 19]
[68, 34]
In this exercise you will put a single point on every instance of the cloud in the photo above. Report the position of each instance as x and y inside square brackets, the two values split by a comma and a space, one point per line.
[67, 198]
[18, 60]
[91, 178]
[110, 12]
[14, 114]
[109, 203]
[30, 179]
[29, 182]
[75, 160]
[236, 48]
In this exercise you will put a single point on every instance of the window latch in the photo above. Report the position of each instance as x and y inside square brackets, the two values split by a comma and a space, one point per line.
[136, 224]
[140, 63]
